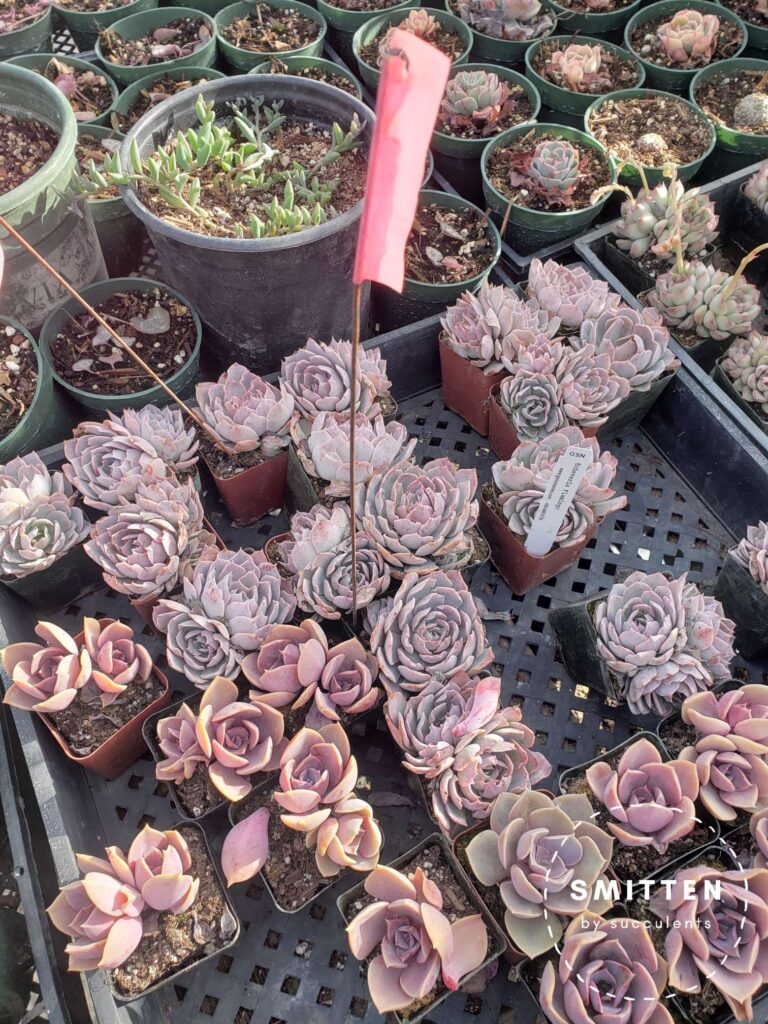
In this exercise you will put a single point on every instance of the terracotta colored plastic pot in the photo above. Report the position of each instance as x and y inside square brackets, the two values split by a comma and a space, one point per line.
[256, 491]
[502, 435]
[522, 571]
[466, 389]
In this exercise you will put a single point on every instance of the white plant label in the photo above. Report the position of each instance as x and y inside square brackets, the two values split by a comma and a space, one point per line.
[566, 477]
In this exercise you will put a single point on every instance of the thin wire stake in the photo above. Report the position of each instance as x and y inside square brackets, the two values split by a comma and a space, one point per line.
[357, 298]
[112, 333]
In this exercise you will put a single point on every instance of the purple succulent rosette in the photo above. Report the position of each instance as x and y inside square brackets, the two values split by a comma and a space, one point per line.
[245, 412]
[569, 293]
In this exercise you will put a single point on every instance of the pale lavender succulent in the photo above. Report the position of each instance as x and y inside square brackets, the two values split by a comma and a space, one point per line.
[507, 19]
[752, 553]
[163, 428]
[706, 300]
[324, 587]
[229, 603]
[533, 402]
[24, 480]
[318, 377]
[756, 187]
[569, 293]
[689, 38]
[106, 465]
[656, 218]
[746, 363]
[710, 633]
[591, 387]
[635, 341]
[245, 412]
[314, 533]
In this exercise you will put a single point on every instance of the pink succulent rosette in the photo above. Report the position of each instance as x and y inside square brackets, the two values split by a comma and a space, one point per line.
[46, 677]
[418, 944]
[650, 800]
[758, 827]
[116, 659]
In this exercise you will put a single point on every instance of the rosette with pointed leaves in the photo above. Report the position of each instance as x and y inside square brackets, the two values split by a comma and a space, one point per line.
[650, 801]
[746, 363]
[106, 465]
[245, 412]
[569, 293]
[144, 548]
[46, 677]
[577, 67]
[431, 630]
[695, 299]
[756, 187]
[608, 973]
[47, 530]
[689, 38]
[752, 553]
[419, 518]
[325, 586]
[724, 943]
[24, 481]
[104, 911]
[475, 99]
[314, 533]
[229, 602]
[318, 378]
[635, 341]
[163, 428]
[657, 217]
[428, 725]
[535, 850]
[591, 387]
[522, 480]
[506, 19]
[418, 945]
[709, 632]
[551, 169]
[116, 659]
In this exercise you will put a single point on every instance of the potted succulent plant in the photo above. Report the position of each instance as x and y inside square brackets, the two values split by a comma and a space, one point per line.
[28, 390]
[345, 17]
[92, 691]
[165, 893]
[749, 223]
[443, 30]
[452, 248]
[246, 33]
[26, 26]
[174, 36]
[317, 68]
[139, 97]
[86, 18]
[755, 17]
[509, 505]
[541, 178]
[164, 329]
[742, 587]
[743, 373]
[732, 94]
[90, 92]
[502, 30]
[593, 17]
[40, 535]
[568, 294]
[674, 38]
[306, 826]
[650, 641]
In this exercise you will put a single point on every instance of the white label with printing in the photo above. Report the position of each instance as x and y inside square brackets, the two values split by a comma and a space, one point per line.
[566, 477]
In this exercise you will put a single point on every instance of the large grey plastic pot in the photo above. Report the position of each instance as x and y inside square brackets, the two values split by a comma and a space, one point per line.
[43, 210]
[259, 298]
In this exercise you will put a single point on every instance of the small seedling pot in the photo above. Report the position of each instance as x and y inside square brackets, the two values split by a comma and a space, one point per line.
[502, 435]
[256, 491]
[194, 73]
[33, 37]
[567, 101]
[575, 635]
[296, 64]
[342, 24]
[420, 300]
[135, 26]
[61, 584]
[592, 22]
[532, 229]
[466, 389]
[744, 601]
[39, 61]
[241, 60]
[29, 433]
[522, 571]
[370, 29]
[722, 379]
[84, 26]
[675, 79]
[752, 145]
[497, 941]
[489, 49]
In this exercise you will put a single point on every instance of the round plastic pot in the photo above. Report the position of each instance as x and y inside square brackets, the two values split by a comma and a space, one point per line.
[95, 295]
[575, 636]
[135, 26]
[592, 23]
[32, 426]
[369, 30]
[744, 601]
[84, 26]
[466, 389]
[565, 100]
[63, 582]
[260, 299]
[343, 24]
[121, 234]
[243, 60]
[497, 51]
[419, 299]
[299, 63]
[730, 139]
[672, 79]
[256, 491]
[654, 175]
[502, 436]
[32, 37]
[39, 61]
[757, 35]
[42, 208]
[128, 97]
[528, 229]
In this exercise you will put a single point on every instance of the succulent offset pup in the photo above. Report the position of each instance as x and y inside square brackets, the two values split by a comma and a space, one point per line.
[506, 19]
[474, 99]
[689, 38]
[752, 553]
[746, 363]
[578, 68]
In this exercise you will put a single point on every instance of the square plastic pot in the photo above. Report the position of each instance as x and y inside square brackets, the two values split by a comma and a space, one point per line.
[744, 601]
[256, 491]
[633, 410]
[502, 435]
[74, 574]
[630, 273]
[466, 389]
[574, 630]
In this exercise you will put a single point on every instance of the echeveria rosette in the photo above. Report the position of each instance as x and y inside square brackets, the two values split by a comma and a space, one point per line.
[655, 218]
[49, 528]
[533, 403]
[578, 67]
[535, 849]
[659, 689]
[746, 363]
[418, 945]
[608, 973]
[163, 428]
[717, 932]
[474, 99]
[507, 19]
[694, 299]
[317, 532]
[569, 293]
[689, 37]
[45, 677]
[25, 480]
[325, 587]
[428, 725]
[246, 412]
[710, 633]
[431, 630]
[116, 659]
[752, 553]
[551, 170]
[591, 388]
[106, 465]
[419, 518]
[499, 758]
[635, 341]
[650, 801]
[758, 827]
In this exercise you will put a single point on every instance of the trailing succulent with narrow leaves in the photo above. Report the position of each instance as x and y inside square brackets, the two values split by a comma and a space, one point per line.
[418, 945]
[756, 187]
[325, 587]
[608, 973]
[551, 169]
[635, 341]
[569, 293]
[535, 849]
[229, 602]
[233, 740]
[731, 749]
[39, 521]
[697, 297]
[105, 912]
[577, 67]
[656, 217]
[662, 640]
[318, 377]
[296, 667]
[746, 363]
[521, 482]
[475, 99]
[163, 428]
[317, 532]
[506, 19]
[650, 801]
[245, 412]
[689, 38]
[725, 942]
[752, 553]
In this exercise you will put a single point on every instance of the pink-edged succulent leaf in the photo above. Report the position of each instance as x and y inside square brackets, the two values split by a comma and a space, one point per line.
[246, 847]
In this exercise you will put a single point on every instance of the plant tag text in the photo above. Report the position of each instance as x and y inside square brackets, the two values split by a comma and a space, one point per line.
[565, 479]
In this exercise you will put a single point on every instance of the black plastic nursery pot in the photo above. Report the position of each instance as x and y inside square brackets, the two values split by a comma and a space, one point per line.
[748, 227]
[637, 277]
[749, 409]
[343, 23]
[43, 208]
[497, 941]
[84, 26]
[744, 601]
[73, 574]
[260, 299]
[39, 61]
[573, 629]
[241, 59]
[33, 37]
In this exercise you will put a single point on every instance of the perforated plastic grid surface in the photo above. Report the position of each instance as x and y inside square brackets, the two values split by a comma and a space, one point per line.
[295, 968]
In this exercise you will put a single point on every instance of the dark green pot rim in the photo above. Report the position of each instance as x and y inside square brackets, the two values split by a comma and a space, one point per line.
[354, 19]
[163, 16]
[747, 139]
[374, 26]
[301, 61]
[128, 96]
[101, 131]
[34, 61]
[539, 80]
[595, 19]
[227, 15]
